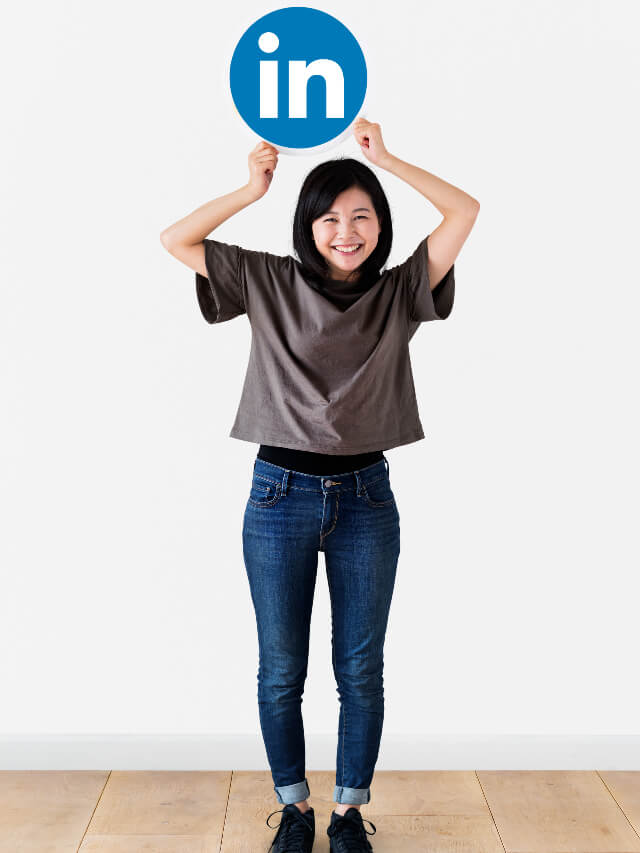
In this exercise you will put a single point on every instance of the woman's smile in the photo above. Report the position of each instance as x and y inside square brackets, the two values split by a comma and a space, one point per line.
[348, 250]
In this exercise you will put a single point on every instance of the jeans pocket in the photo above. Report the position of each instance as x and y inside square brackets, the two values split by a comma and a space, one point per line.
[264, 491]
[378, 493]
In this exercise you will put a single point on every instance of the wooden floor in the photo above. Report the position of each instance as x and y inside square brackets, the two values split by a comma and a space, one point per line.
[211, 811]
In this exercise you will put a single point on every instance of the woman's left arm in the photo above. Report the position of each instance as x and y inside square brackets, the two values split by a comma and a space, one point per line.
[458, 208]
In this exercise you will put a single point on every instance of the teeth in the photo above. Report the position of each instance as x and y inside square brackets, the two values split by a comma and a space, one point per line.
[347, 250]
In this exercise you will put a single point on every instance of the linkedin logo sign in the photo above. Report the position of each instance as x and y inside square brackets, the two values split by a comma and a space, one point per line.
[298, 77]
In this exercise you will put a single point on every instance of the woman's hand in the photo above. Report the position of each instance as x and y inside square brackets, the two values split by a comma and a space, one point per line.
[369, 138]
[262, 164]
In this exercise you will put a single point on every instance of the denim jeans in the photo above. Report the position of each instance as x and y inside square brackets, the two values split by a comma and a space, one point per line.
[352, 517]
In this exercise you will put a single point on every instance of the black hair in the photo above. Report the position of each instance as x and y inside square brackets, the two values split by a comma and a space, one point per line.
[319, 190]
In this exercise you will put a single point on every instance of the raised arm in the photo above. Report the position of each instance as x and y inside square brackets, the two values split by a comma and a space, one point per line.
[184, 239]
[459, 210]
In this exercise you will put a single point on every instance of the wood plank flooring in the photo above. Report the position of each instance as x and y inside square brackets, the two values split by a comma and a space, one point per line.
[533, 811]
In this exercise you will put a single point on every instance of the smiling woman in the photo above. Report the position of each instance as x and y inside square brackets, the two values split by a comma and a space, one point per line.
[328, 388]
[342, 204]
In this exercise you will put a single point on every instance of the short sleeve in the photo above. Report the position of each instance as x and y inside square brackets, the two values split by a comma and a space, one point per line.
[220, 294]
[426, 304]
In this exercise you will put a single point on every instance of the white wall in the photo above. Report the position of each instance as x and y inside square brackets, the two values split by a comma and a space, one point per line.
[125, 607]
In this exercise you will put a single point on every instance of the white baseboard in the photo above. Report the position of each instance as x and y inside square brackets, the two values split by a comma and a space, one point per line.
[246, 752]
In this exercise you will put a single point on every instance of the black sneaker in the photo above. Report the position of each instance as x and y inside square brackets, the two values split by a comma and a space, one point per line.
[296, 831]
[347, 833]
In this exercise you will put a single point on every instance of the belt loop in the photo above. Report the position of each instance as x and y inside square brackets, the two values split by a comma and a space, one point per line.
[356, 474]
[285, 479]
[386, 462]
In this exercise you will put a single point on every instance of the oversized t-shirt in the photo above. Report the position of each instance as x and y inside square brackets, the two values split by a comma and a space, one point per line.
[327, 373]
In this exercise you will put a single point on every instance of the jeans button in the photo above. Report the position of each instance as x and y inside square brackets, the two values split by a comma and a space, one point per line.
[327, 482]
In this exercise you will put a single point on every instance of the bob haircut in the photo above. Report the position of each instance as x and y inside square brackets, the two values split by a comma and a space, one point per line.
[319, 190]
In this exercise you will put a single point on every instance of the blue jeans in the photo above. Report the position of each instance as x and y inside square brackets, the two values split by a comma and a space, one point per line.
[352, 516]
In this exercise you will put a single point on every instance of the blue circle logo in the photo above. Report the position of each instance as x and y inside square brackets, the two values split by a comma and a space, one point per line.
[298, 77]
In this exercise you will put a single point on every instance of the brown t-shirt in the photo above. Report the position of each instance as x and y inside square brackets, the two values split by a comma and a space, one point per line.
[328, 372]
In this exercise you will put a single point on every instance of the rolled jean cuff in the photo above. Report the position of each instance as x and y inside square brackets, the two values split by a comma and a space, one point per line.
[354, 796]
[292, 793]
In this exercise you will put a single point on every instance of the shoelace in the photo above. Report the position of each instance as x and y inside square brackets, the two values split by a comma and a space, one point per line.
[353, 835]
[291, 832]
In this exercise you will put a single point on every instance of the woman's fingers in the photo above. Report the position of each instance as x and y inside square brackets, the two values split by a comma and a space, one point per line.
[264, 145]
[264, 153]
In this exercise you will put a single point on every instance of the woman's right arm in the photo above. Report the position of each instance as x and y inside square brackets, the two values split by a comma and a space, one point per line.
[184, 239]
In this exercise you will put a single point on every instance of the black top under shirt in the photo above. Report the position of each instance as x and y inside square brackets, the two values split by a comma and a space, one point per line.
[321, 464]
[342, 294]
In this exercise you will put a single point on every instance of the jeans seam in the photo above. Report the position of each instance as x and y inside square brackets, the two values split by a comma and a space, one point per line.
[344, 729]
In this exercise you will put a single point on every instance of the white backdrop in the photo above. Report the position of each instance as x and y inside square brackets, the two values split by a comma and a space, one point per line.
[127, 632]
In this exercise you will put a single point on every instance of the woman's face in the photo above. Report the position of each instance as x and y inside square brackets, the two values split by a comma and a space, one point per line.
[351, 221]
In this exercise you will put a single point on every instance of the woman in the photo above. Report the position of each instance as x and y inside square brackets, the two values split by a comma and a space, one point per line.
[328, 387]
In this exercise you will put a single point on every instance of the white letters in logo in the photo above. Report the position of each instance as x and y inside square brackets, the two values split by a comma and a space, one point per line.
[299, 74]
